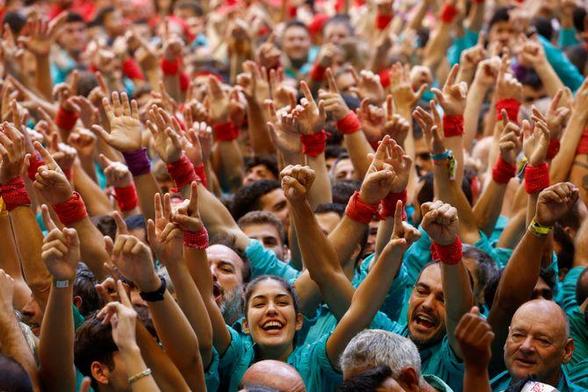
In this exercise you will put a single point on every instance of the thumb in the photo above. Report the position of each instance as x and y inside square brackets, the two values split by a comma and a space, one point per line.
[72, 237]
[104, 161]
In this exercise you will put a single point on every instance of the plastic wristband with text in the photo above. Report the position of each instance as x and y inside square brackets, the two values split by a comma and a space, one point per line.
[225, 132]
[72, 210]
[388, 204]
[349, 124]
[314, 144]
[14, 194]
[536, 178]
[182, 172]
[196, 240]
[138, 162]
[126, 197]
[317, 73]
[512, 107]
[538, 229]
[453, 125]
[34, 164]
[503, 171]
[201, 173]
[553, 149]
[383, 20]
[171, 67]
[447, 254]
[360, 211]
[66, 119]
[448, 13]
[583, 144]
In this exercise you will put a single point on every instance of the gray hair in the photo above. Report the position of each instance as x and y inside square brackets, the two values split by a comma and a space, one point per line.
[376, 347]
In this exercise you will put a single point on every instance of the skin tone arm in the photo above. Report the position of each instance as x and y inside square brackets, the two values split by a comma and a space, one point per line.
[475, 336]
[133, 259]
[61, 254]
[581, 245]
[96, 200]
[172, 51]
[256, 88]
[533, 54]
[10, 262]
[369, 296]
[12, 341]
[522, 271]
[118, 176]
[438, 43]
[122, 317]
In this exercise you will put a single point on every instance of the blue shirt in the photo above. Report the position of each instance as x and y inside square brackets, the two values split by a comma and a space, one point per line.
[502, 381]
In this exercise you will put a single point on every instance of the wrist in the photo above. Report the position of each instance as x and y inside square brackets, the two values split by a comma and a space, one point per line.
[182, 172]
[349, 123]
[129, 350]
[540, 227]
[138, 162]
[449, 253]
[63, 282]
[14, 193]
[361, 209]
[151, 284]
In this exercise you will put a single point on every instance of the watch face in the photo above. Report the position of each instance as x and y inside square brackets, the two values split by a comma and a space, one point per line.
[61, 284]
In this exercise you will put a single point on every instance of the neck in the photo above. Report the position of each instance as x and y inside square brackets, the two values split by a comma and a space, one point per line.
[278, 353]
[553, 378]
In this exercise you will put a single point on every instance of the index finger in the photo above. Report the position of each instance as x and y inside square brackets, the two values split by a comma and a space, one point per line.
[331, 81]
[389, 107]
[306, 91]
[398, 217]
[45, 154]
[122, 294]
[47, 220]
[121, 226]
[452, 76]
[193, 205]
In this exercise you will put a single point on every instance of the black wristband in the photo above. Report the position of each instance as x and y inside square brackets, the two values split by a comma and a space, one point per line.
[156, 295]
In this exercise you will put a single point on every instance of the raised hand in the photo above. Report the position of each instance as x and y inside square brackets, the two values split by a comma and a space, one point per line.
[556, 117]
[507, 87]
[535, 142]
[333, 103]
[368, 85]
[83, 141]
[440, 221]
[453, 96]
[404, 96]
[196, 143]
[309, 116]
[296, 182]
[487, 71]
[63, 154]
[474, 335]
[431, 125]
[12, 150]
[165, 131]
[403, 230]
[282, 94]
[470, 58]
[187, 217]
[554, 202]
[510, 143]
[125, 126]
[396, 126]
[217, 102]
[65, 92]
[40, 34]
[282, 130]
[88, 113]
[163, 235]
[373, 120]
[122, 317]
[117, 173]
[380, 176]
[60, 250]
[50, 181]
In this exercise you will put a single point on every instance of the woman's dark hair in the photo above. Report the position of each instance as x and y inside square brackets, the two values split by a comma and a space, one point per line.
[85, 287]
[285, 285]
[367, 381]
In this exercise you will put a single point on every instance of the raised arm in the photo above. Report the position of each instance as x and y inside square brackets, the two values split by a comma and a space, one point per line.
[61, 254]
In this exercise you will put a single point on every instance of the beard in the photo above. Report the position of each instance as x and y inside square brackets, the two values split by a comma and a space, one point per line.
[232, 306]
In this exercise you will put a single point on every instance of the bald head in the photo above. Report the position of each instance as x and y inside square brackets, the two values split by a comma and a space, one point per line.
[273, 374]
[547, 313]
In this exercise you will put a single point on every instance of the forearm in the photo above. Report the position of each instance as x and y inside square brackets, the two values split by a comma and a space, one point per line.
[458, 297]
[579, 175]
[437, 45]
[345, 237]
[581, 246]
[146, 188]
[87, 164]
[230, 163]
[92, 247]
[172, 87]
[562, 163]
[259, 137]
[475, 18]
[43, 76]
[320, 191]
[416, 21]
[56, 349]
[487, 209]
[134, 364]
[471, 115]
[551, 82]
[95, 199]
[476, 380]
[358, 147]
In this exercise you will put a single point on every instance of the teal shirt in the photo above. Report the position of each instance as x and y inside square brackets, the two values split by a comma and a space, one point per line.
[568, 289]
[578, 331]
[502, 381]
[563, 67]
[567, 37]
[461, 43]
[265, 262]
[211, 375]
[310, 361]
[437, 383]
[579, 375]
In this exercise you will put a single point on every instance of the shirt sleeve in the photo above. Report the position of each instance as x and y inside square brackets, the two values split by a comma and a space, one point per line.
[265, 262]
[567, 38]
[236, 348]
[567, 72]
[568, 289]
[211, 376]
[417, 256]
[461, 43]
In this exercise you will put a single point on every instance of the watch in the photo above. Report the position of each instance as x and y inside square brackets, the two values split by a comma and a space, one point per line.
[538, 229]
[61, 284]
[157, 295]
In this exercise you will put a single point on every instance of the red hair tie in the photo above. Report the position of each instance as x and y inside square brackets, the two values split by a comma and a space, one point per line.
[126, 197]
[503, 171]
[452, 125]
[66, 119]
[447, 254]
[448, 13]
[182, 172]
[317, 73]
[553, 149]
[225, 132]
[72, 210]
[349, 124]
[511, 106]
[34, 164]
[360, 211]
[388, 204]
[536, 178]
[196, 240]
[314, 144]
[14, 194]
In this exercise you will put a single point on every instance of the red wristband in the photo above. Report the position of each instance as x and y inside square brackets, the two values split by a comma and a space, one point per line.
[34, 163]
[201, 173]
[553, 149]
[196, 240]
[503, 171]
[447, 254]
[360, 211]
[131, 69]
[66, 119]
[511, 106]
[225, 132]
[448, 13]
[184, 81]
[126, 197]
[182, 172]
[14, 194]
[349, 124]
[388, 204]
[452, 125]
[583, 144]
[317, 73]
[536, 178]
[170, 67]
[385, 78]
[72, 210]
[314, 144]
[382, 21]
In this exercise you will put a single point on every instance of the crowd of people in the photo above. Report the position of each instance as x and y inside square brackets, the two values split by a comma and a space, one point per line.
[288, 195]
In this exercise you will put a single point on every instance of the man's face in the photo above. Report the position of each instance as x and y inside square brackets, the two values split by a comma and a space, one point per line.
[114, 24]
[296, 43]
[276, 203]
[74, 37]
[537, 344]
[327, 221]
[426, 308]
[503, 32]
[226, 268]
[116, 379]
[336, 33]
[32, 315]
[344, 170]
[256, 173]
[268, 235]
[345, 82]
